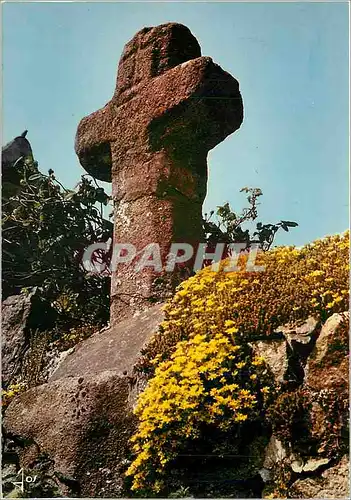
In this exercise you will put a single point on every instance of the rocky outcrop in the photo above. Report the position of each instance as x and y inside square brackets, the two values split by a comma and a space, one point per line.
[287, 350]
[82, 423]
[306, 455]
[328, 368]
[116, 349]
[82, 418]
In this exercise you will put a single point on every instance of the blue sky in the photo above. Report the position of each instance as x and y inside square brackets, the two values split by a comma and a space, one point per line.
[291, 60]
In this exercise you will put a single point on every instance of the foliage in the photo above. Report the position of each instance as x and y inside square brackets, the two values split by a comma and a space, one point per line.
[201, 367]
[289, 415]
[45, 231]
[44, 484]
[34, 359]
[228, 229]
[45, 345]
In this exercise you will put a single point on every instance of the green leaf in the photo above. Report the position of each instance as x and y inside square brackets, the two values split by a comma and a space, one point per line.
[289, 223]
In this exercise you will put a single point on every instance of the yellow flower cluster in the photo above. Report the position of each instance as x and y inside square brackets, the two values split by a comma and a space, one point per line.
[203, 371]
[11, 392]
[207, 380]
[296, 283]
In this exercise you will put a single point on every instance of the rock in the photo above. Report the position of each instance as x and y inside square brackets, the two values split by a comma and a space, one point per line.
[274, 453]
[300, 340]
[19, 147]
[307, 465]
[265, 474]
[333, 483]
[327, 335]
[287, 356]
[21, 314]
[313, 464]
[54, 358]
[82, 419]
[81, 423]
[116, 349]
[13, 156]
[328, 366]
[300, 333]
[276, 357]
[296, 464]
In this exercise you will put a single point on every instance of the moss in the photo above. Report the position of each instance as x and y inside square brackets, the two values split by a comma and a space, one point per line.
[335, 441]
[290, 417]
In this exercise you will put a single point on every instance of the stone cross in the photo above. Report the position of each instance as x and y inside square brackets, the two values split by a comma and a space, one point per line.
[170, 107]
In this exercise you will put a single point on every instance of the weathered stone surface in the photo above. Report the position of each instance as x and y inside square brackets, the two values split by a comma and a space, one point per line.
[81, 423]
[313, 464]
[301, 333]
[287, 356]
[82, 419]
[309, 465]
[328, 367]
[333, 483]
[20, 314]
[170, 107]
[117, 348]
[276, 357]
[316, 412]
[274, 453]
[12, 156]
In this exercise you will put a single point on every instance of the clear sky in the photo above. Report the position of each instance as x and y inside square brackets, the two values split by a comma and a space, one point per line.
[291, 60]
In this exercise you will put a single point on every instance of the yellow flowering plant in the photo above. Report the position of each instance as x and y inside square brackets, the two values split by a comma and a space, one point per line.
[202, 371]
[208, 381]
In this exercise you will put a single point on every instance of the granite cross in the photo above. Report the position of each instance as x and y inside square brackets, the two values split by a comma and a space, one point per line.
[170, 107]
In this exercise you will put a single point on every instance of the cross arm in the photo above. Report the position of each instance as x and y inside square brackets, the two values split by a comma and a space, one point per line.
[92, 143]
[199, 104]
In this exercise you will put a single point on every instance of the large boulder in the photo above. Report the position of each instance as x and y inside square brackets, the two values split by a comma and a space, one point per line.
[116, 349]
[82, 418]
